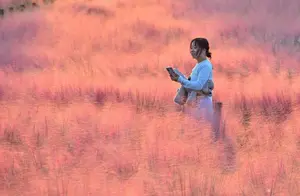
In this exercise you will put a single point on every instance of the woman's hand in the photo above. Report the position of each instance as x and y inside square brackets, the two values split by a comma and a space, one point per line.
[174, 77]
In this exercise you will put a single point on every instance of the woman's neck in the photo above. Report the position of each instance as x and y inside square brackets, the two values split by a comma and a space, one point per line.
[200, 59]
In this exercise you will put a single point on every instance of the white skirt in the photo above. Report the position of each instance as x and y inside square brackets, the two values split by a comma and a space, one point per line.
[202, 109]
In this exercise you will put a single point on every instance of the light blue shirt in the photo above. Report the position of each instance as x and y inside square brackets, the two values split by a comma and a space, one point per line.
[199, 76]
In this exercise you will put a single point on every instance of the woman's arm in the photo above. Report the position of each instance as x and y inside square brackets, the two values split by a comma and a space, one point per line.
[198, 84]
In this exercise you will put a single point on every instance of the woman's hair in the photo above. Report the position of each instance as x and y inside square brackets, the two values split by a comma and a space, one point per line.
[202, 43]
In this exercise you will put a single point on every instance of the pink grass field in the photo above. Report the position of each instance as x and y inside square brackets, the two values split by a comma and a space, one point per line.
[87, 106]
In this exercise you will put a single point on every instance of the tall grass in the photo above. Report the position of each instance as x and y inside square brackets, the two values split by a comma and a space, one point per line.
[87, 106]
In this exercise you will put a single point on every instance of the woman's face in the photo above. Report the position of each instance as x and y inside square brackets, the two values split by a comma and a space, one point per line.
[195, 50]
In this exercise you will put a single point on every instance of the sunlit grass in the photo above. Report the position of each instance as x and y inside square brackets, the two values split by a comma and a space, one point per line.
[87, 107]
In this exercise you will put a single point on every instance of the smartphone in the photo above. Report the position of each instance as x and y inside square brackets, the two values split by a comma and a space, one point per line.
[170, 70]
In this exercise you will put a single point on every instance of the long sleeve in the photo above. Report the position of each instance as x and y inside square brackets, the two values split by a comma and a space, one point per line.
[203, 76]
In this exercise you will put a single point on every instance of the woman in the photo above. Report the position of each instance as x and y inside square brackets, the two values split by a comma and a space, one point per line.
[200, 76]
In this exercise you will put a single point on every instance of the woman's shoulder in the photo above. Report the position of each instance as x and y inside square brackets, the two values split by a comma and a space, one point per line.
[206, 63]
